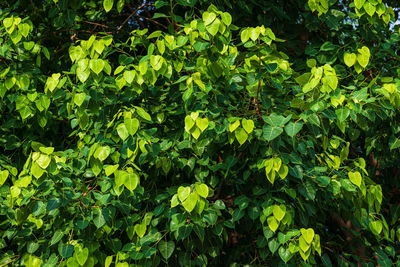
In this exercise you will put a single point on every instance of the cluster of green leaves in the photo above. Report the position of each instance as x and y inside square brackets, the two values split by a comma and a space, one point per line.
[202, 144]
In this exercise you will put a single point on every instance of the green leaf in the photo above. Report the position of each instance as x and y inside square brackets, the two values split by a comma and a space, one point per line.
[142, 113]
[183, 193]
[248, 125]
[81, 255]
[129, 75]
[273, 223]
[107, 4]
[350, 59]
[122, 131]
[111, 169]
[56, 237]
[292, 129]
[43, 161]
[342, 114]
[363, 56]
[140, 229]
[166, 248]
[307, 234]
[108, 261]
[394, 142]
[369, 8]
[279, 212]
[3, 176]
[213, 27]
[359, 3]
[96, 65]
[132, 125]
[120, 177]
[226, 18]
[189, 123]
[156, 61]
[283, 171]
[355, 178]
[376, 227]
[190, 202]
[273, 245]
[131, 181]
[202, 190]
[271, 132]
[233, 126]
[241, 135]
[102, 152]
[202, 123]
[285, 254]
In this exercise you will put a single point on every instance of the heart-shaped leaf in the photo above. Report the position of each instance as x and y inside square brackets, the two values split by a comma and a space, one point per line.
[202, 123]
[3, 176]
[140, 229]
[376, 227]
[189, 123]
[271, 132]
[131, 181]
[272, 223]
[122, 131]
[248, 125]
[355, 178]
[279, 212]
[304, 246]
[190, 202]
[233, 126]
[132, 125]
[273, 245]
[183, 193]
[350, 59]
[308, 234]
[120, 177]
[283, 171]
[166, 248]
[81, 255]
[292, 129]
[202, 190]
[241, 135]
[285, 254]
[96, 65]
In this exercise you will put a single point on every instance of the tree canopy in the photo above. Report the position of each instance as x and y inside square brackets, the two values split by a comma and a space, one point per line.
[195, 133]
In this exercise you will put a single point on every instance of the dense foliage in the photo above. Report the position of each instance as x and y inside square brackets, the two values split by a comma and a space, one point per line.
[194, 133]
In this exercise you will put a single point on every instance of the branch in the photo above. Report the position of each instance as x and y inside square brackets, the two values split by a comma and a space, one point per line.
[97, 24]
[132, 14]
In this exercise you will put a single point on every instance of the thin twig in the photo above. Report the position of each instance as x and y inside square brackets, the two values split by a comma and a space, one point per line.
[97, 24]
[153, 21]
[132, 14]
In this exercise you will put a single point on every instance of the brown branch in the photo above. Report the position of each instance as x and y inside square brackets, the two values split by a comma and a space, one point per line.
[97, 24]
[132, 14]
[153, 21]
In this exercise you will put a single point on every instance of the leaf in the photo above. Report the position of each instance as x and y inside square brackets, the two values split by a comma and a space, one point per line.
[111, 169]
[342, 114]
[355, 178]
[283, 171]
[56, 237]
[271, 132]
[241, 135]
[189, 123]
[81, 255]
[131, 181]
[108, 261]
[132, 125]
[376, 227]
[233, 126]
[202, 190]
[279, 212]
[140, 229]
[273, 245]
[307, 234]
[226, 18]
[202, 123]
[292, 129]
[129, 75]
[213, 27]
[285, 254]
[102, 152]
[122, 131]
[183, 193]
[190, 202]
[107, 4]
[350, 59]
[394, 143]
[96, 65]
[166, 248]
[369, 8]
[156, 61]
[359, 3]
[363, 56]
[3, 176]
[248, 125]
[43, 161]
[142, 113]
[272, 223]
